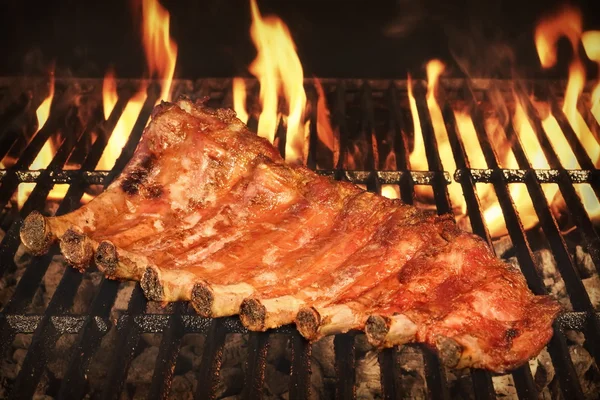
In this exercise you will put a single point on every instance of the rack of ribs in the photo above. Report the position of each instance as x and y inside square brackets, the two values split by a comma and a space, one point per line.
[208, 212]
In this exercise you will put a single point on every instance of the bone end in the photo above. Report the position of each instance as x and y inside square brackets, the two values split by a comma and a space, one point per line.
[106, 258]
[253, 314]
[449, 350]
[77, 248]
[36, 234]
[308, 321]
[151, 285]
[203, 299]
[376, 329]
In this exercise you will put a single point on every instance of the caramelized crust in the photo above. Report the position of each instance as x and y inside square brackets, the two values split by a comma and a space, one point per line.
[208, 212]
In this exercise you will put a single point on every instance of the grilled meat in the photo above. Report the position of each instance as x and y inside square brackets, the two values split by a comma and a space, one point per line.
[208, 212]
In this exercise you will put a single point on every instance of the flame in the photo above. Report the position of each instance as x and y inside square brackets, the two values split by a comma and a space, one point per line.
[418, 157]
[121, 132]
[279, 72]
[390, 191]
[161, 56]
[45, 155]
[591, 45]
[161, 51]
[239, 99]
[109, 93]
[328, 136]
[568, 22]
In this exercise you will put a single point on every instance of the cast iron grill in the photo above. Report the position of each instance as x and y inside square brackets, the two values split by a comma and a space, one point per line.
[361, 98]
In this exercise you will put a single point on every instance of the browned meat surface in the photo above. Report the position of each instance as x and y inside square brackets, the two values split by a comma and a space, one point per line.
[208, 212]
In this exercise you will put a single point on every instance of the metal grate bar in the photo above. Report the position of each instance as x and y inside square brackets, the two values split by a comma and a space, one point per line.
[574, 285]
[524, 383]
[560, 355]
[339, 119]
[590, 120]
[128, 338]
[212, 356]
[387, 366]
[367, 127]
[482, 380]
[301, 367]
[440, 190]
[94, 327]
[522, 377]
[255, 365]
[45, 336]
[435, 375]
[397, 123]
[167, 354]
[344, 366]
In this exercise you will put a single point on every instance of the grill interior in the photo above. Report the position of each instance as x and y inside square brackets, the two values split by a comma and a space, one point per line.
[374, 113]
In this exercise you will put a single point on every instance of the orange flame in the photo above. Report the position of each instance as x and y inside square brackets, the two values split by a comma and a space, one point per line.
[328, 136]
[591, 45]
[161, 51]
[418, 157]
[45, 155]
[279, 71]
[564, 22]
[568, 22]
[239, 99]
[161, 56]
[109, 93]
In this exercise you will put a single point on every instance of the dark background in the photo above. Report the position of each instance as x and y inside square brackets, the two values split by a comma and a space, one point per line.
[372, 39]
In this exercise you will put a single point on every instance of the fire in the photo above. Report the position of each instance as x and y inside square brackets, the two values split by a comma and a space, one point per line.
[568, 22]
[279, 72]
[418, 157]
[161, 50]
[121, 132]
[109, 93]
[328, 136]
[591, 45]
[161, 56]
[239, 99]
[44, 157]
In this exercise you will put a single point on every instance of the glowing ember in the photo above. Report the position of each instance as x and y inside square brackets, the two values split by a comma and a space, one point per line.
[279, 72]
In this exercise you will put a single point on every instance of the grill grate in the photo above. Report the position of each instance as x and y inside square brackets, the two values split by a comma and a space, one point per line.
[178, 320]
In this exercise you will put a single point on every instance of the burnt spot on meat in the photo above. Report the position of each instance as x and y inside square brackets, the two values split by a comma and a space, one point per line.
[253, 314]
[202, 299]
[153, 191]
[308, 321]
[510, 334]
[134, 180]
[376, 328]
[106, 258]
[36, 234]
[151, 285]
[76, 248]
